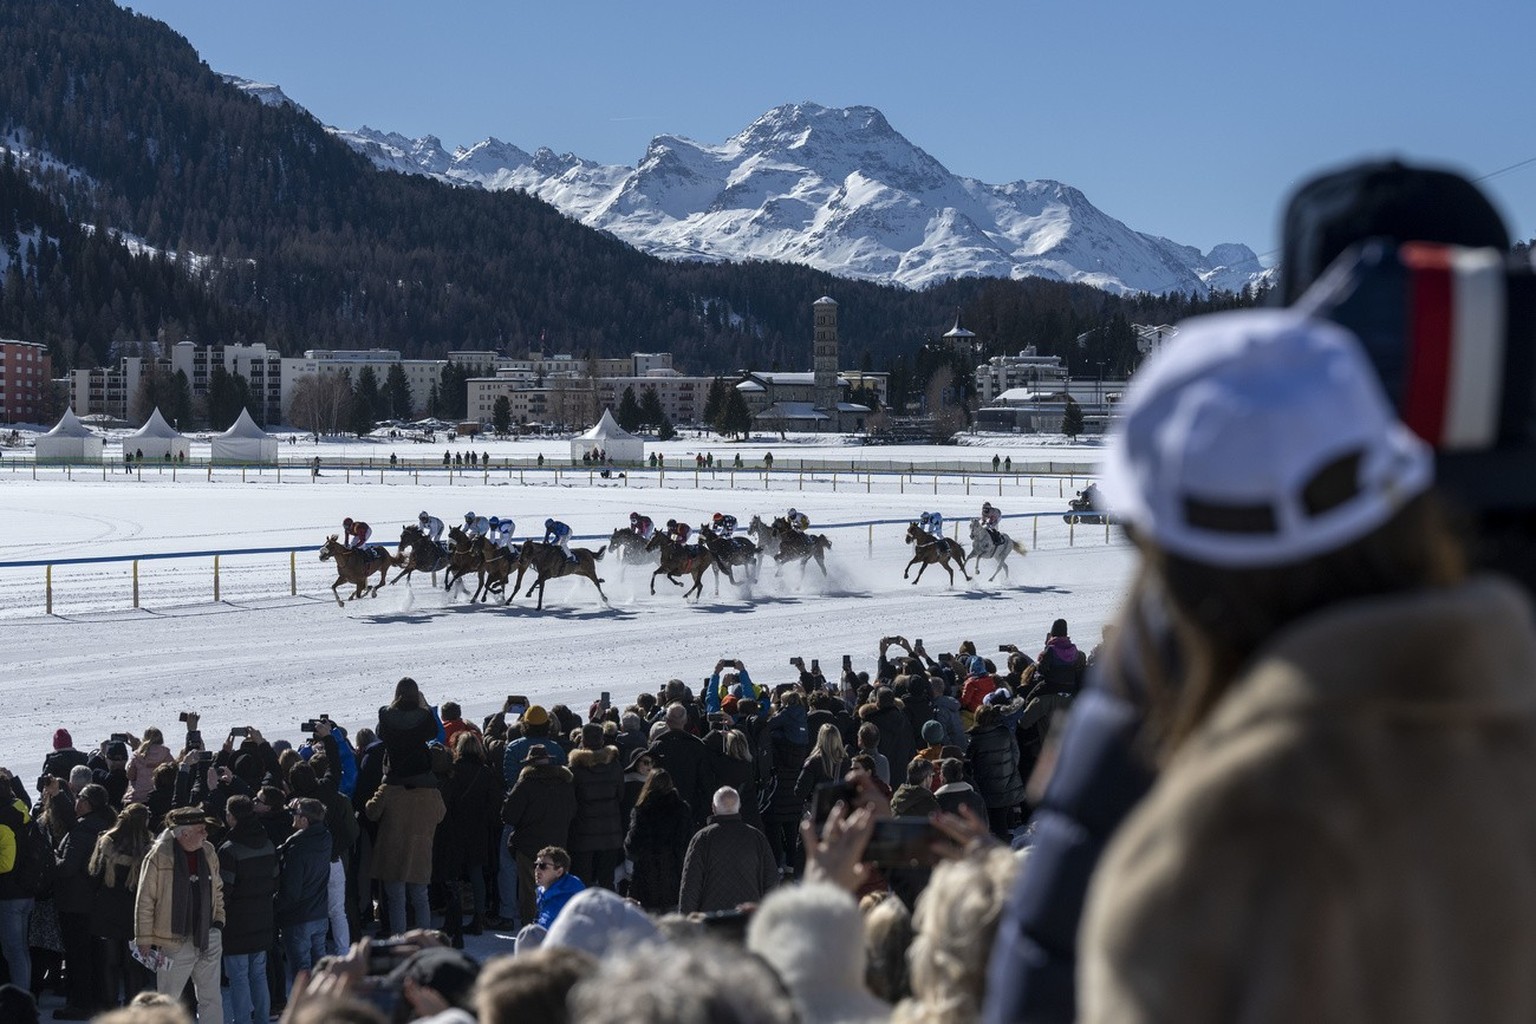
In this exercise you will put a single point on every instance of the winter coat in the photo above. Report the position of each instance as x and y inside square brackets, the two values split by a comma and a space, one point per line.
[787, 759]
[405, 733]
[472, 798]
[304, 875]
[955, 795]
[407, 817]
[684, 757]
[141, 770]
[946, 711]
[60, 762]
[813, 774]
[657, 841]
[897, 741]
[152, 904]
[994, 758]
[740, 776]
[114, 879]
[975, 691]
[728, 863]
[913, 801]
[515, 757]
[552, 898]
[1344, 835]
[72, 887]
[1061, 666]
[540, 808]
[248, 864]
[599, 780]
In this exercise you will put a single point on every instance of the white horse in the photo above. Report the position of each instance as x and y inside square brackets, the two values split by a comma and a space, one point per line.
[983, 546]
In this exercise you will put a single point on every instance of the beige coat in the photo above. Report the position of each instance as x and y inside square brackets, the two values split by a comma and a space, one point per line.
[152, 904]
[1350, 836]
[407, 820]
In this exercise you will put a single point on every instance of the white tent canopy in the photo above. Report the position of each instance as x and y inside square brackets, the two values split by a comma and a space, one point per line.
[245, 443]
[616, 443]
[156, 439]
[69, 441]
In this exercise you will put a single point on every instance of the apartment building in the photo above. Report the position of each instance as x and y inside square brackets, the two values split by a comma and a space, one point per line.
[26, 371]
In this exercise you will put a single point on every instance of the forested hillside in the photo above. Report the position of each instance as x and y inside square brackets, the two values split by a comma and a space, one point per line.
[281, 234]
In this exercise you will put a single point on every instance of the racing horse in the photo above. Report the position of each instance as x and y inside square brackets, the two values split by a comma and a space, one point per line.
[549, 562]
[357, 567]
[928, 549]
[679, 559]
[983, 546]
[425, 555]
[494, 568]
[767, 541]
[627, 544]
[463, 557]
[728, 552]
[790, 545]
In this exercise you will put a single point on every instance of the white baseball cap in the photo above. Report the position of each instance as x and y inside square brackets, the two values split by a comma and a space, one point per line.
[1259, 438]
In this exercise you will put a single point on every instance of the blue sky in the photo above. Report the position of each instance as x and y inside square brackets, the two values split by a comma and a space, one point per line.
[1186, 119]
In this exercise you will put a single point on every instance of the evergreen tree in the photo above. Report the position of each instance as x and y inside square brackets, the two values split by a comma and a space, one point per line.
[651, 413]
[365, 400]
[666, 431]
[398, 391]
[714, 400]
[223, 402]
[434, 402]
[735, 418]
[501, 414]
[1072, 419]
[628, 413]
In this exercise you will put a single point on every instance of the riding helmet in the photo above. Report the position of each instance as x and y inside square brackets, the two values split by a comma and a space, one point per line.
[793, 513]
[549, 524]
[347, 523]
[719, 516]
[423, 516]
[469, 517]
[495, 521]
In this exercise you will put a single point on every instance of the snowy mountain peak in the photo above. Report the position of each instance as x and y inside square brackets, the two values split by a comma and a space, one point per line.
[266, 92]
[836, 188]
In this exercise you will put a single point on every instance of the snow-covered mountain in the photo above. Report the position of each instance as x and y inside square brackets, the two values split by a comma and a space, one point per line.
[834, 188]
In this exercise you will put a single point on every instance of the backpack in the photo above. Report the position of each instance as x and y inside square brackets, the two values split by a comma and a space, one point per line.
[32, 875]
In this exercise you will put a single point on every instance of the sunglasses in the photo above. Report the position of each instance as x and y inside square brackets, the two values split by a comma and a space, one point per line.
[542, 865]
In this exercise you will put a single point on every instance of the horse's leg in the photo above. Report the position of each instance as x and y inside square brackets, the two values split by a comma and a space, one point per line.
[920, 569]
[337, 596]
[540, 585]
[653, 581]
[1002, 567]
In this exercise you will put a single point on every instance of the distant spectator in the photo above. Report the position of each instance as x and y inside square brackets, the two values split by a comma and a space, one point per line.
[728, 862]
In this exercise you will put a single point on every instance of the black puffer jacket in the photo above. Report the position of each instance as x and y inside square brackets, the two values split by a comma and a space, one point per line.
[472, 795]
[248, 865]
[657, 843]
[740, 776]
[405, 733]
[599, 824]
[72, 887]
[994, 757]
[304, 876]
[897, 740]
[788, 756]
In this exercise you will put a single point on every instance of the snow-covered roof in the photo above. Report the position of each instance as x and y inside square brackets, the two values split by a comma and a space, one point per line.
[750, 385]
[851, 407]
[792, 411]
[826, 300]
[69, 425]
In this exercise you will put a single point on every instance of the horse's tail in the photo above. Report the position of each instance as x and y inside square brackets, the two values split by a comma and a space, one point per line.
[1018, 548]
[599, 552]
[824, 542]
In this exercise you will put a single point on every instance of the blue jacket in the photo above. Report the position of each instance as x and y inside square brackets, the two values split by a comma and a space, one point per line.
[713, 697]
[553, 898]
[517, 753]
[304, 874]
[1101, 774]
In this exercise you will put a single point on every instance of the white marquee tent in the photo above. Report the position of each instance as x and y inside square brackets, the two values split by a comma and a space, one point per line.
[156, 439]
[616, 443]
[69, 441]
[245, 443]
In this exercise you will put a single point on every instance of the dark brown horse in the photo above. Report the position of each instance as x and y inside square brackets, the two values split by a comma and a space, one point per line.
[629, 547]
[730, 551]
[548, 562]
[928, 549]
[790, 545]
[680, 559]
[357, 567]
[418, 553]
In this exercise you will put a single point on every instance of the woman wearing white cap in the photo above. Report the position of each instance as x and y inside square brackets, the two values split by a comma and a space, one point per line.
[1343, 827]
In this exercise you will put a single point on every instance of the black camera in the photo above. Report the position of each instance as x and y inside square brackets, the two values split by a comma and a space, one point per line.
[240, 730]
[313, 724]
[120, 737]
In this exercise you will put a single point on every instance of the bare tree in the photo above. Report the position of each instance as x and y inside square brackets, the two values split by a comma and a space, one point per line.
[320, 402]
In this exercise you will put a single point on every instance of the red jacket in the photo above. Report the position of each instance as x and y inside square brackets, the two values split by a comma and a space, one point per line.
[975, 691]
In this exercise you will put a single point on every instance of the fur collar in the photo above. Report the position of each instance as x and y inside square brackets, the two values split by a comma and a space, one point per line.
[594, 758]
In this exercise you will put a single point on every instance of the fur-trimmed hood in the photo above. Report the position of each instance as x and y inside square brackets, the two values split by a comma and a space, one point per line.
[547, 772]
[594, 758]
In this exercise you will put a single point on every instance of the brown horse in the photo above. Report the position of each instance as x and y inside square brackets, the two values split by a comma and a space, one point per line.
[494, 569]
[793, 546]
[930, 550]
[357, 567]
[549, 562]
[417, 553]
[678, 559]
[463, 557]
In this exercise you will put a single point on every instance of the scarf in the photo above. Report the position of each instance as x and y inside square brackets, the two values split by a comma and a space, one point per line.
[191, 905]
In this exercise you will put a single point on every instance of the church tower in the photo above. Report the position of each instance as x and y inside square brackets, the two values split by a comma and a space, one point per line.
[824, 365]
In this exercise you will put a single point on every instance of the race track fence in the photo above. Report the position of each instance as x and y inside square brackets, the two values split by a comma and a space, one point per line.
[1041, 478]
[1073, 526]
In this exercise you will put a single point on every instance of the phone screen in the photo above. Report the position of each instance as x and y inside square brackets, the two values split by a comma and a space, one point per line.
[903, 843]
[827, 796]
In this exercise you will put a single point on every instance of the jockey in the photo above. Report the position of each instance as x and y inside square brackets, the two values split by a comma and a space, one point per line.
[500, 533]
[431, 526]
[476, 526]
[1090, 496]
[990, 517]
[677, 531]
[557, 533]
[797, 520]
[931, 522]
[356, 533]
[724, 526]
[642, 525]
